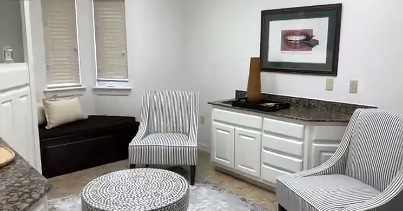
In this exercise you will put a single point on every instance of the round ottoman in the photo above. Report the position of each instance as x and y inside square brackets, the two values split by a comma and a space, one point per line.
[137, 189]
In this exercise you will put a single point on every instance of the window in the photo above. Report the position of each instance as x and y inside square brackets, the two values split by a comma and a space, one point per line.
[110, 42]
[61, 48]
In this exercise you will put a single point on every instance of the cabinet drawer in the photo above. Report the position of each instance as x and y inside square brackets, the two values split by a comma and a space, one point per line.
[281, 161]
[283, 145]
[237, 118]
[284, 128]
[270, 174]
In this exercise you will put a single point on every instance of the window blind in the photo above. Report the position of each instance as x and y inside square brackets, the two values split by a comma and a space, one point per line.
[110, 39]
[60, 34]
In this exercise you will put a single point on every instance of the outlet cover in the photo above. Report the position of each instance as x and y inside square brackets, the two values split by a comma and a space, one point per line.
[202, 120]
[329, 84]
[353, 86]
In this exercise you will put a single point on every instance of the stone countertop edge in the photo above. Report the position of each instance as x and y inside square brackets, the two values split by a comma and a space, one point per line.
[21, 185]
[298, 113]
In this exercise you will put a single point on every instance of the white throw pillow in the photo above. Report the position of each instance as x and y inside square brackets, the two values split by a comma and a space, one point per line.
[62, 111]
[41, 114]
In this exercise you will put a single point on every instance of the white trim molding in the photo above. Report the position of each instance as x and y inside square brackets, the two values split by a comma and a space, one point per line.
[65, 91]
[203, 148]
[114, 91]
[116, 87]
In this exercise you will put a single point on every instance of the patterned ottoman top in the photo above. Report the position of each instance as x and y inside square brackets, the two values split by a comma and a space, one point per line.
[135, 189]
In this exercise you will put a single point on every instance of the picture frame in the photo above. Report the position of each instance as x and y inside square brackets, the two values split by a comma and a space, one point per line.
[301, 40]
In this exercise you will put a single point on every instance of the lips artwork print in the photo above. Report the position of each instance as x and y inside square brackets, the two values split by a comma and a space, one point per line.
[302, 40]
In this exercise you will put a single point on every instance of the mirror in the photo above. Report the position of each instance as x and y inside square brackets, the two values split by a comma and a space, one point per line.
[11, 40]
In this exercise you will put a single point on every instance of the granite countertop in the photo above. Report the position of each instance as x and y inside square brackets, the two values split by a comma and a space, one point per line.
[295, 112]
[21, 186]
[304, 109]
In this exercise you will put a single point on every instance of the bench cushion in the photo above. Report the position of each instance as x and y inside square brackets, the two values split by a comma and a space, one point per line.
[92, 124]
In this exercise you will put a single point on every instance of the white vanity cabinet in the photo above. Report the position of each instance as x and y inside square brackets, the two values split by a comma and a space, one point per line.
[230, 137]
[262, 147]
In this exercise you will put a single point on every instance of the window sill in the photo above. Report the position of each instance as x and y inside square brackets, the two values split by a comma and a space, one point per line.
[65, 91]
[112, 91]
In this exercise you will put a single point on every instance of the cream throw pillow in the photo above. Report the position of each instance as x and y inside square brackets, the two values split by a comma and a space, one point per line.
[41, 114]
[62, 111]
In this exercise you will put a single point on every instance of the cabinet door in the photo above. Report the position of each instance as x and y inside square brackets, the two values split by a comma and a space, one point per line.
[223, 145]
[16, 126]
[247, 151]
[322, 152]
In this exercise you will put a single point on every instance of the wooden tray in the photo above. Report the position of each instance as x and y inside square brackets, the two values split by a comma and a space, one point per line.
[6, 156]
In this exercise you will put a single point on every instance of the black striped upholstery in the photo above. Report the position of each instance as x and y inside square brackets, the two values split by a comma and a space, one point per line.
[168, 129]
[365, 173]
[377, 138]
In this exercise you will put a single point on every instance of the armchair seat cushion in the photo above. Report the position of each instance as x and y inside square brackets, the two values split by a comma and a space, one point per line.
[163, 149]
[327, 192]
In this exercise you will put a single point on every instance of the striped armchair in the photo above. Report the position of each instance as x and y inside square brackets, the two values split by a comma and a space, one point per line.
[365, 173]
[168, 130]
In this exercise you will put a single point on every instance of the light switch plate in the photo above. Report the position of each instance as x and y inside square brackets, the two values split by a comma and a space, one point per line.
[329, 84]
[202, 120]
[353, 86]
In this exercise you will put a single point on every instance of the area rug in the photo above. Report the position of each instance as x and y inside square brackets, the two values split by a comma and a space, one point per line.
[203, 196]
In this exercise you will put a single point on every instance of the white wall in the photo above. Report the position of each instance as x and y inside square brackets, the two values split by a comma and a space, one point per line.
[222, 35]
[86, 50]
[11, 29]
[206, 46]
[155, 49]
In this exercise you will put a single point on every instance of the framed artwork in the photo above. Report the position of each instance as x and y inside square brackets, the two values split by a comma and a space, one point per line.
[303, 40]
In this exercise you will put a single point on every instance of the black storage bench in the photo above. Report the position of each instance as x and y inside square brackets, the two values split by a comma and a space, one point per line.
[86, 143]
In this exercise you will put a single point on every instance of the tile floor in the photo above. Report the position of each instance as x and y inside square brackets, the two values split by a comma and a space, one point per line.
[72, 183]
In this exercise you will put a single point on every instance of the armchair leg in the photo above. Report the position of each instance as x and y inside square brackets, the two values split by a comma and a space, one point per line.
[280, 208]
[192, 174]
[147, 165]
[132, 166]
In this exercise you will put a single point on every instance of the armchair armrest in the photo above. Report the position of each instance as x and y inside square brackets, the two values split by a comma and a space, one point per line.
[194, 118]
[390, 199]
[143, 129]
[337, 163]
[141, 133]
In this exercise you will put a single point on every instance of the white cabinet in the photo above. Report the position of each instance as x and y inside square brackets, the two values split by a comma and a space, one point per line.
[282, 148]
[223, 144]
[248, 141]
[262, 147]
[269, 174]
[17, 125]
[322, 152]
[324, 143]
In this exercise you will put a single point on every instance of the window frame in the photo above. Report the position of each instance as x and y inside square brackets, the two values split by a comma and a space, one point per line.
[109, 86]
[71, 87]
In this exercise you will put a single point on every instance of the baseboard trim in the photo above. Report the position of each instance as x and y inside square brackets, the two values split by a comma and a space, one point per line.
[203, 148]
